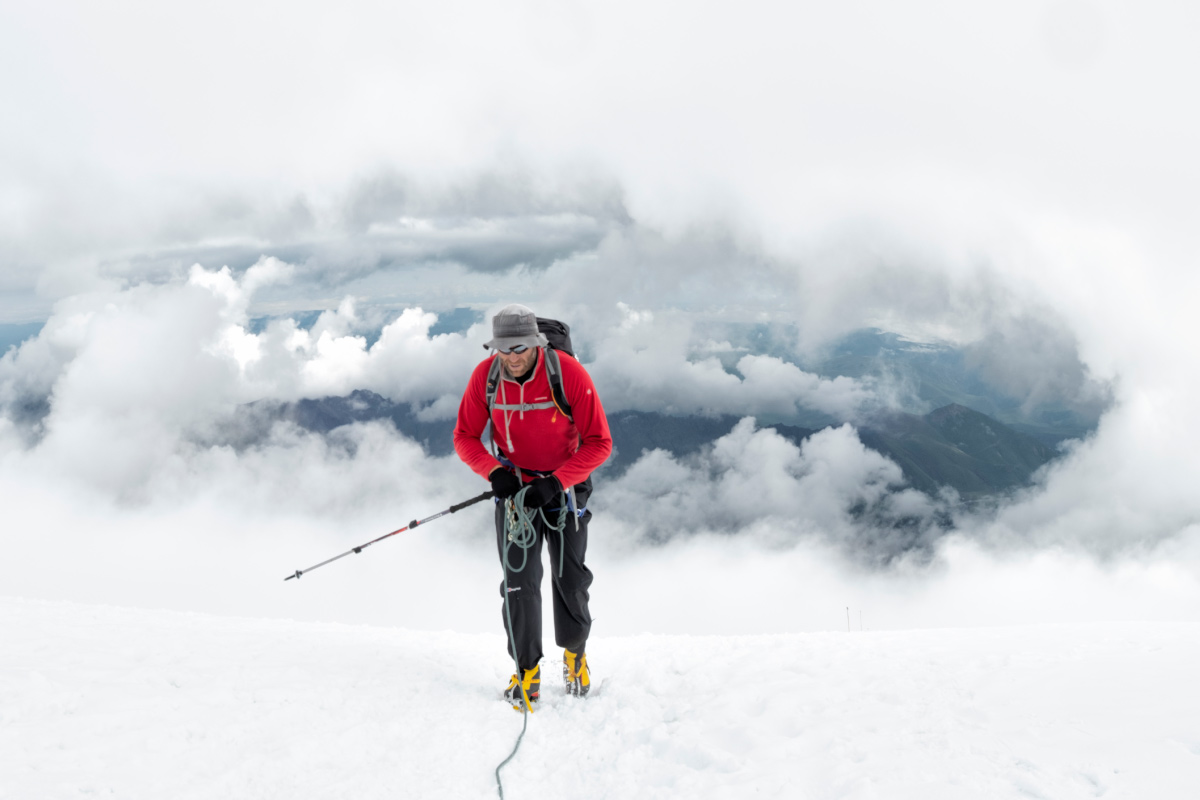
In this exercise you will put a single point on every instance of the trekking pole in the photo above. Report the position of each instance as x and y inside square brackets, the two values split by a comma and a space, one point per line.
[407, 527]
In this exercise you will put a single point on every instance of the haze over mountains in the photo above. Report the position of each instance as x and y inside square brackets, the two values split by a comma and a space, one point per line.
[963, 444]
[951, 447]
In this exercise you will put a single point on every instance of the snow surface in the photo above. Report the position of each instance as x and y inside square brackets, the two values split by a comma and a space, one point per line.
[100, 701]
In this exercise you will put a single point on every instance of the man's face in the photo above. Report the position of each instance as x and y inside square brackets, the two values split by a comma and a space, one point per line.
[517, 364]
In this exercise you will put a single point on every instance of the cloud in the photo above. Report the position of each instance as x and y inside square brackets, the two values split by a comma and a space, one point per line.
[719, 585]
[122, 382]
[126, 379]
[1122, 491]
[606, 168]
[142, 384]
[354, 231]
[646, 362]
[832, 489]
[1034, 357]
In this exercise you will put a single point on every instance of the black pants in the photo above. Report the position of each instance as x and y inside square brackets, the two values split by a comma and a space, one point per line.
[572, 621]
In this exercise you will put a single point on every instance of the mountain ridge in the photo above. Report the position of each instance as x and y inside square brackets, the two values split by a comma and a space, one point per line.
[954, 446]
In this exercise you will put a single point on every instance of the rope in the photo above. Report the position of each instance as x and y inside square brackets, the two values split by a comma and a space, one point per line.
[517, 746]
[520, 532]
[519, 523]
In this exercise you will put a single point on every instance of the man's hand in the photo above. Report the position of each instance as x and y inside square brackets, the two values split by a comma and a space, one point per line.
[542, 491]
[504, 483]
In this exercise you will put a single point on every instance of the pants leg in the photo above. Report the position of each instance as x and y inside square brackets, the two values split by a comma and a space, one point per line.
[572, 619]
[523, 601]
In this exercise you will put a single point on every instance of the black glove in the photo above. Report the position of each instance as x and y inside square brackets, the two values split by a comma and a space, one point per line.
[542, 491]
[504, 483]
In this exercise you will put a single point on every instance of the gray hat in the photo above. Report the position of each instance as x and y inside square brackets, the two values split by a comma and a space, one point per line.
[513, 325]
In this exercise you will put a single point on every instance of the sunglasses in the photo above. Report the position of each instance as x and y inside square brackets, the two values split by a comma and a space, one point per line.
[518, 349]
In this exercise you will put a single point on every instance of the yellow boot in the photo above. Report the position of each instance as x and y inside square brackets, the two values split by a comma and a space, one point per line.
[575, 673]
[523, 692]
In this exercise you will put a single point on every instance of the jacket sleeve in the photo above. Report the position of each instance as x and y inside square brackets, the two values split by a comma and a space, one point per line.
[595, 439]
[472, 421]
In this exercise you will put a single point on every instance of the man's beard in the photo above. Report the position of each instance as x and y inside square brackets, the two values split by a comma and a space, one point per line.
[512, 376]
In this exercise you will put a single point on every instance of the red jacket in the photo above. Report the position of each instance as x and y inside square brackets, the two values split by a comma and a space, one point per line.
[544, 439]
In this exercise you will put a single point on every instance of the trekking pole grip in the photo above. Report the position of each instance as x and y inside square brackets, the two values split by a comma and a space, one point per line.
[472, 501]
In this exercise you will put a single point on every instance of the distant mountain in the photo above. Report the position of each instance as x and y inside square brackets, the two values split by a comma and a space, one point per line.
[926, 376]
[952, 446]
[931, 374]
[327, 413]
[958, 447]
[915, 377]
[635, 432]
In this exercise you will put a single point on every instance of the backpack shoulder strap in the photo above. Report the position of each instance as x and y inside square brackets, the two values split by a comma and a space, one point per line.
[493, 380]
[554, 374]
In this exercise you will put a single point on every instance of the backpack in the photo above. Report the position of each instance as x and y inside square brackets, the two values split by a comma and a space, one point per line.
[558, 334]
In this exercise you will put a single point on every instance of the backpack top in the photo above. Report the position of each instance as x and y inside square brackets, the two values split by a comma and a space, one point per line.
[557, 333]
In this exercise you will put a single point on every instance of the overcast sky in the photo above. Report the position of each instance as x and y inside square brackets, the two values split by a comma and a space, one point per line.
[1018, 178]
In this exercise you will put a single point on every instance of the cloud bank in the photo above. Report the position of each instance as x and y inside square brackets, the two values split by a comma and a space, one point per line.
[710, 198]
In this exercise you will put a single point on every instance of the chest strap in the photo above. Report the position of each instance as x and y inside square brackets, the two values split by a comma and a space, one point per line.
[524, 406]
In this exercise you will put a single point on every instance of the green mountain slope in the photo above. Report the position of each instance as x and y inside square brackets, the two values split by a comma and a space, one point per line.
[924, 376]
[958, 447]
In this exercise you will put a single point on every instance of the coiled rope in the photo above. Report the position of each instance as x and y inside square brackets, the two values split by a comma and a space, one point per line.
[520, 532]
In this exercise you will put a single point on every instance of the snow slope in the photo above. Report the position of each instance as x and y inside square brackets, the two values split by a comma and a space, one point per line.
[98, 701]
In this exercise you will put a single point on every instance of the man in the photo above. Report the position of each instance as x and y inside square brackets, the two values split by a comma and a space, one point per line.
[548, 448]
